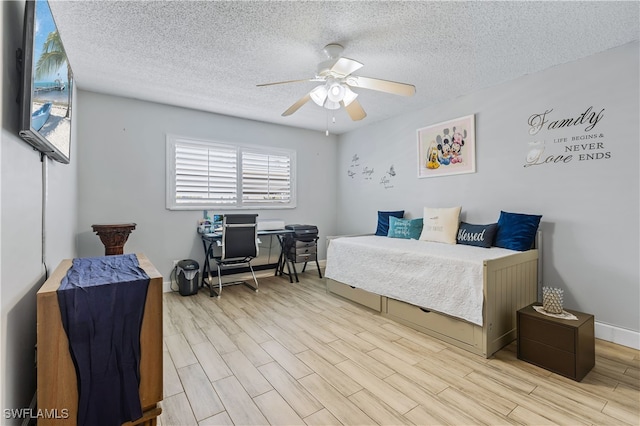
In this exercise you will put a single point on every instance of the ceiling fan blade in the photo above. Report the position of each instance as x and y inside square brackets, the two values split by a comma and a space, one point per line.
[345, 66]
[354, 109]
[285, 82]
[392, 87]
[293, 108]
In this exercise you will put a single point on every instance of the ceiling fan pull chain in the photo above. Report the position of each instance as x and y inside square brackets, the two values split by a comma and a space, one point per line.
[327, 132]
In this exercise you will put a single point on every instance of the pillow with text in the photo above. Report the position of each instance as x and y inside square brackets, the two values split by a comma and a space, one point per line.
[476, 235]
[440, 224]
[405, 228]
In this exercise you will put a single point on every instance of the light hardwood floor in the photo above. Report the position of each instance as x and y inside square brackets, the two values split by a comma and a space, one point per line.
[292, 354]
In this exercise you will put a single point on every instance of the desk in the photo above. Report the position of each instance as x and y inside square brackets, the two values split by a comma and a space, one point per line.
[209, 241]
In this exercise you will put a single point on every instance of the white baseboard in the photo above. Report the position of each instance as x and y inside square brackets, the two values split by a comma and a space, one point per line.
[620, 336]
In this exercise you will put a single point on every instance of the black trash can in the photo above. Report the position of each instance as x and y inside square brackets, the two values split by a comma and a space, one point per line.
[188, 273]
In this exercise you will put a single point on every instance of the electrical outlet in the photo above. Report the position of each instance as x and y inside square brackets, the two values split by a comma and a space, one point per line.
[175, 263]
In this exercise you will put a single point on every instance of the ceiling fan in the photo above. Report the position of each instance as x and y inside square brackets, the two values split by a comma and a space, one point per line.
[335, 74]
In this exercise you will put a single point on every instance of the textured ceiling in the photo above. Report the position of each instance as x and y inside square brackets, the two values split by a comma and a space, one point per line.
[209, 56]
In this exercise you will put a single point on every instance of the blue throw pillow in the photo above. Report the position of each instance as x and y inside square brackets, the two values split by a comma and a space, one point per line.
[517, 231]
[476, 235]
[383, 221]
[405, 228]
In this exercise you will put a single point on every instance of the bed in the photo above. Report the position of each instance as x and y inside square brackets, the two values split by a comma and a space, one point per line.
[464, 295]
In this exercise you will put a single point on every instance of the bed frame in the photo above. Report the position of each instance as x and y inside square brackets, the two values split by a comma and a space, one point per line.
[509, 283]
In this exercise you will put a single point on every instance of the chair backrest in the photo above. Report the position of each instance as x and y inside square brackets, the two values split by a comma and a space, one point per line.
[239, 236]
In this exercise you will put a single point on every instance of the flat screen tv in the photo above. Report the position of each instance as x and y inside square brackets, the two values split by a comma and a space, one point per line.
[47, 85]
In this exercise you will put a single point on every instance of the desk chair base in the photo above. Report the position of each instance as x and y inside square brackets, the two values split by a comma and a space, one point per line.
[213, 292]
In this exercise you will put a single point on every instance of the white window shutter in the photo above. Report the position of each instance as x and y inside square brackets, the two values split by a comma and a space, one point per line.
[208, 175]
[205, 175]
[266, 178]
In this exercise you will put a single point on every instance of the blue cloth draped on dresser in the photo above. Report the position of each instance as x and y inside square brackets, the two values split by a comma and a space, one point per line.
[102, 304]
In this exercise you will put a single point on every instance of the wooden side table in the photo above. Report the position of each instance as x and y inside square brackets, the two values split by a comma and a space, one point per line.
[114, 236]
[57, 388]
[566, 347]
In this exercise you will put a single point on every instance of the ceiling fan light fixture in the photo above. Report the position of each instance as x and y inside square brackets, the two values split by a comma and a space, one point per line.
[336, 91]
[349, 96]
[319, 95]
[329, 104]
[331, 94]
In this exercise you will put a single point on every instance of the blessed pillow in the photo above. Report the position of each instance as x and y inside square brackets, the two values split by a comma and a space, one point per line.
[440, 225]
[476, 235]
[516, 231]
[383, 221]
[405, 228]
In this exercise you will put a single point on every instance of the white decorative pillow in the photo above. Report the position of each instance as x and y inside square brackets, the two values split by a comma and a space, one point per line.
[440, 225]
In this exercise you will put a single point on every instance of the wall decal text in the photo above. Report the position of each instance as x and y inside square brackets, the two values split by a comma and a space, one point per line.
[386, 178]
[565, 149]
[590, 117]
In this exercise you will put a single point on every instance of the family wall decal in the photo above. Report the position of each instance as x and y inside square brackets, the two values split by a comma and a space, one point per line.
[566, 148]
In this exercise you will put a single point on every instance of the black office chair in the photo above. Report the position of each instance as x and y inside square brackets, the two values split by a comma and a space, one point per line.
[239, 246]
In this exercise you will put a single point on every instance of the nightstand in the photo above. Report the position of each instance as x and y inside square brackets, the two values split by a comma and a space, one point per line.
[566, 347]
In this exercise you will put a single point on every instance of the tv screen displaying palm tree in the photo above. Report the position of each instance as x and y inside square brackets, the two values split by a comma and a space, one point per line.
[49, 92]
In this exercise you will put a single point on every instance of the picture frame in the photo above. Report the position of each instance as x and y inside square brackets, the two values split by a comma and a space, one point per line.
[447, 148]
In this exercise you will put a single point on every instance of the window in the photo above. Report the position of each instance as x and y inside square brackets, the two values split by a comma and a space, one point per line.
[207, 174]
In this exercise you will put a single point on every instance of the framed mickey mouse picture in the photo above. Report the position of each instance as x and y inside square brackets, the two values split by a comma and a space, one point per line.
[447, 148]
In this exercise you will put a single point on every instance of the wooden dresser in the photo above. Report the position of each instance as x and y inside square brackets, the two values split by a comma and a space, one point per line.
[566, 347]
[57, 386]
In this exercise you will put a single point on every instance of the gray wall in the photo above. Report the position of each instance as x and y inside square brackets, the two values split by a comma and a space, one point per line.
[117, 174]
[590, 208]
[22, 272]
[122, 167]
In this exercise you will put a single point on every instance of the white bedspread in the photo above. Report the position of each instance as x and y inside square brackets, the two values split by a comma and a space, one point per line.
[443, 277]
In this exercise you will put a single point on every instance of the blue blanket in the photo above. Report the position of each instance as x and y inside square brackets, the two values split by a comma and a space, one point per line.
[102, 304]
